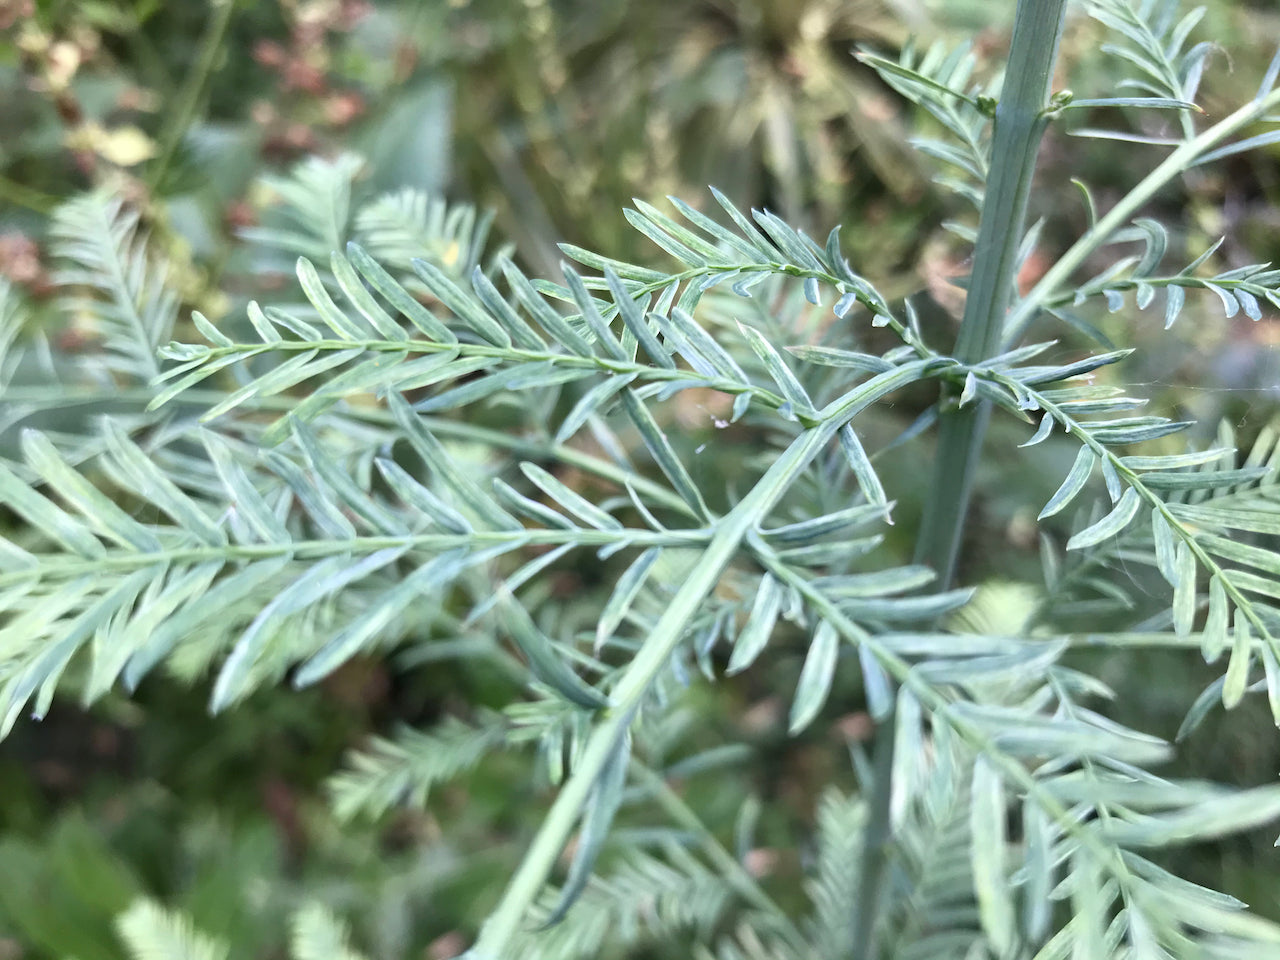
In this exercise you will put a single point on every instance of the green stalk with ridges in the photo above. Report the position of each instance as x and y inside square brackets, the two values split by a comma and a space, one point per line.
[1020, 121]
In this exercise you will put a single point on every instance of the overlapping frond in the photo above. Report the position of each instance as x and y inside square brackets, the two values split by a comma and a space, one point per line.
[474, 345]
[931, 909]
[118, 297]
[1198, 505]
[319, 208]
[110, 282]
[301, 544]
[373, 353]
[761, 246]
[24, 355]
[370, 556]
[748, 943]
[402, 770]
[1176, 495]
[313, 216]
[1118, 895]
[833, 887]
[317, 559]
[300, 556]
[295, 538]
[1142, 905]
[399, 227]
[150, 932]
[666, 896]
[314, 556]
[318, 934]
[1152, 40]
[1001, 736]
[12, 319]
[941, 81]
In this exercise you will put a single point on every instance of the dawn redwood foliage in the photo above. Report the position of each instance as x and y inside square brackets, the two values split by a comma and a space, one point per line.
[324, 480]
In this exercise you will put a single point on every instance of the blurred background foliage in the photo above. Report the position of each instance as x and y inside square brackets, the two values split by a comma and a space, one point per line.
[553, 114]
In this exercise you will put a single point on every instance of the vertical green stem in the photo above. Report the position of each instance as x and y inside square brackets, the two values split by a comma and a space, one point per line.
[1019, 125]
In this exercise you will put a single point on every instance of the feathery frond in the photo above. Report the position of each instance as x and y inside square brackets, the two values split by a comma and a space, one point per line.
[1179, 494]
[318, 935]
[344, 497]
[941, 81]
[314, 213]
[153, 933]
[403, 770]
[397, 228]
[1241, 290]
[647, 898]
[1152, 39]
[110, 280]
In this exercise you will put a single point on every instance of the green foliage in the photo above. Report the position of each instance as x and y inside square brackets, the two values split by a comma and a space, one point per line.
[939, 81]
[669, 898]
[401, 772]
[61, 895]
[317, 935]
[396, 461]
[152, 933]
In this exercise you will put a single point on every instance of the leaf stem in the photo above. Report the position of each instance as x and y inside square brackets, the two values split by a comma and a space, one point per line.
[647, 372]
[66, 566]
[634, 685]
[189, 97]
[656, 650]
[24, 196]
[1178, 162]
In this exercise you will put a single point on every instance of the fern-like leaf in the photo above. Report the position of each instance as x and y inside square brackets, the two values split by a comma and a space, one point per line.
[152, 933]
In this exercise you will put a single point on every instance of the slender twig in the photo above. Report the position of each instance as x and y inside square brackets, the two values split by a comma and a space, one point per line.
[69, 567]
[23, 196]
[184, 111]
[1174, 165]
